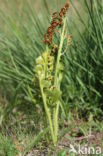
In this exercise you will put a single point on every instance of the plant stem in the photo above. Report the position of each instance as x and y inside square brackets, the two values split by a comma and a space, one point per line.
[56, 122]
[59, 53]
[56, 110]
[48, 113]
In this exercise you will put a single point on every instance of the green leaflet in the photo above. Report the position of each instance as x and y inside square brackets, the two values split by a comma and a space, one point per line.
[45, 83]
[44, 72]
[39, 60]
[54, 94]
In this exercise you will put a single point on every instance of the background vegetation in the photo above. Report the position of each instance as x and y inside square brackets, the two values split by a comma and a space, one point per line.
[22, 26]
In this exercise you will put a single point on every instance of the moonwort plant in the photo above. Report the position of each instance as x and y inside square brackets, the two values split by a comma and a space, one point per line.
[49, 69]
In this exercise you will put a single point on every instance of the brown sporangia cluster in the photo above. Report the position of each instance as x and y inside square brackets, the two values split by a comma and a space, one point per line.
[54, 49]
[69, 39]
[57, 21]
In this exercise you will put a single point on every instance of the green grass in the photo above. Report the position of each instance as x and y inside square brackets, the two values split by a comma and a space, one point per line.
[84, 64]
[7, 147]
[21, 34]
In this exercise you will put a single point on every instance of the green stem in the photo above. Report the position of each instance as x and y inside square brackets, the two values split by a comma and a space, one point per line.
[59, 53]
[56, 110]
[48, 113]
[56, 122]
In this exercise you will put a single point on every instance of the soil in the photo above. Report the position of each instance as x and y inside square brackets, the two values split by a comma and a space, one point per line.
[64, 144]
